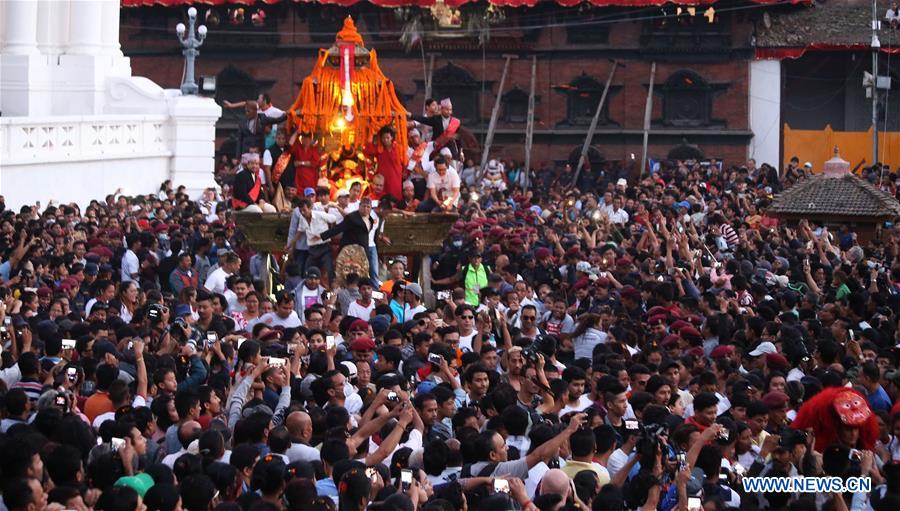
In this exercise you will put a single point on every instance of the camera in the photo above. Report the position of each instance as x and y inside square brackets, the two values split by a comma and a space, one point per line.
[155, 312]
[723, 434]
[393, 397]
[72, 374]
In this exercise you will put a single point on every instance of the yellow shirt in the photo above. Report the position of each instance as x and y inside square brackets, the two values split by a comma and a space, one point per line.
[574, 467]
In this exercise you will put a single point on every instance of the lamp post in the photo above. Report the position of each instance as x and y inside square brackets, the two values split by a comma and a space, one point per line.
[190, 42]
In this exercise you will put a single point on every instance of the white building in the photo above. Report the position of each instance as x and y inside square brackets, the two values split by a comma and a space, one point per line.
[75, 125]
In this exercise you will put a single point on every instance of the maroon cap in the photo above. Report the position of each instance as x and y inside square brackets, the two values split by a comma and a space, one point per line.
[160, 227]
[542, 253]
[658, 319]
[696, 351]
[44, 292]
[582, 283]
[359, 326]
[721, 351]
[601, 282]
[669, 341]
[690, 333]
[777, 360]
[630, 292]
[775, 399]
[362, 344]
[678, 325]
[573, 252]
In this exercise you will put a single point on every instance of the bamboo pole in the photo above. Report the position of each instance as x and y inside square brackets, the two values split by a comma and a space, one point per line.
[493, 124]
[648, 110]
[593, 127]
[529, 127]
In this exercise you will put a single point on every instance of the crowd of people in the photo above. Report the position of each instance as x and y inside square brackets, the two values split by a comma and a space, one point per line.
[606, 342]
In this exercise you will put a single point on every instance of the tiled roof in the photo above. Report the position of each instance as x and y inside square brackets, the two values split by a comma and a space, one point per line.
[847, 195]
[837, 23]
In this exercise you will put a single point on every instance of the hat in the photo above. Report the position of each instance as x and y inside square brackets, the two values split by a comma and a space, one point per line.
[425, 387]
[763, 348]
[139, 483]
[777, 360]
[582, 283]
[683, 204]
[44, 292]
[91, 269]
[583, 266]
[622, 182]
[182, 309]
[106, 268]
[690, 333]
[807, 165]
[313, 273]
[669, 341]
[677, 325]
[658, 319]
[573, 252]
[696, 351]
[362, 344]
[721, 351]
[775, 399]
[343, 193]
[102, 347]
[380, 325]
[360, 325]
[351, 368]
[630, 292]
[309, 191]
[160, 227]
[414, 289]
[542, 253]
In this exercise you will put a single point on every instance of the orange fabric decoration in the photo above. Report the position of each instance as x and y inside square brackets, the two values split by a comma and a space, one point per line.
[318, 107]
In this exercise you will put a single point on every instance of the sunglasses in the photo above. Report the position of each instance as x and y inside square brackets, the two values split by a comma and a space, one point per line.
[528, 318]
[467, 317]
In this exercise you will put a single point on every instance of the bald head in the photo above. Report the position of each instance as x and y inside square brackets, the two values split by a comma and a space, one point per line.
[188, 432]
[555, 481]
[299, 426]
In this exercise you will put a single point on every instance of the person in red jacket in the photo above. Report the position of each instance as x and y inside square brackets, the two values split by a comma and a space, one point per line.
[387, 159]
[306, 161]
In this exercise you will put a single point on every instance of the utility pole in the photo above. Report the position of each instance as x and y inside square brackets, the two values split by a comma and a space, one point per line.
[876, 46]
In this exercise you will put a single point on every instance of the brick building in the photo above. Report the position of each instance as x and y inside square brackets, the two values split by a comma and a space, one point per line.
[701, 101]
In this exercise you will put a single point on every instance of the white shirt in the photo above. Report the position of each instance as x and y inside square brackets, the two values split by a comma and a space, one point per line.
[314, 227]
[108, 416]
[427, 164]
[619, 216]
[358, 310]
[584, 402]
[411, 312]
[444, 185]
[130, 266]
[892, 14]
[302, 452]
[170, 459]
[272, 112]
[351, 207]
[272, 319]
[215, 281]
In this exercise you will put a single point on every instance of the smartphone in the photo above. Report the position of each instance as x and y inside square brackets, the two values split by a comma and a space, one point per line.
[329, 342]
[405, 479]
[695, 504]
[723, 434]
[393, 397]
[7, 321]
[682, 460]
[68, 344]
[277, 362]
[61, 401]
[443, 295]
[372, 474]
[130, 345]
[631, 425]
[240, 340]
[378, 295]
[116, 443]
[501, 486]
[435, 359]
[72, 374]
[211, 338]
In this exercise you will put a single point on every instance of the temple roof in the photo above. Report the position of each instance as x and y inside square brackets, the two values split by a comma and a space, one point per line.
[450, 3]
[844, 196]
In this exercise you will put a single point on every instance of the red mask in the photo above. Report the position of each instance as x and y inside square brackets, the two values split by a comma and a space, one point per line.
[851, 408]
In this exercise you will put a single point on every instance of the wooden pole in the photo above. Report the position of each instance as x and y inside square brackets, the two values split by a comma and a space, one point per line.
[529, 127]
[493, 124]
[593, 127]
[648, 110]
[428, 74]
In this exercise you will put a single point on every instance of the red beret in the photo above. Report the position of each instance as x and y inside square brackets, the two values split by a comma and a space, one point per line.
[144, 224]
[601, 282]
[114, 233]
[669, 341]
[623, 261]
[161, 227]
[777, 360]
[690, 333]
[630, 292]
[655, 310]
[477, 235]
[362, 344]
[542, 253]
[44, 291]
[582, 283]
[721, 351]
[573, 252]
[359, 326]
[517, 241]
[658, 319]
[678, 325]
[696, 351]
[776, 399]
[695, 320]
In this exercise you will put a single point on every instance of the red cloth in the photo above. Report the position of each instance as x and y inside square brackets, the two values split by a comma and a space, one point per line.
[389, 166]
[306, 176]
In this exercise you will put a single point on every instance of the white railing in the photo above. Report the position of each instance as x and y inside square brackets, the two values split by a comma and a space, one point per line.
[25, 140]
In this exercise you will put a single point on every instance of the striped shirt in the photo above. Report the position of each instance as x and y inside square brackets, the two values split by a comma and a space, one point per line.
[731, 237]
[31, 386]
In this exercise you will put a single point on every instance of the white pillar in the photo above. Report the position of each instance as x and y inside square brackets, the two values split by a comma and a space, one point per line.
[20, 27]
[765, 111]
[85, 28]
[110, 28]
[191, 138]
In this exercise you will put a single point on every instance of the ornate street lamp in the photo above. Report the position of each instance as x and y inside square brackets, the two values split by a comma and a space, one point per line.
[190, 42]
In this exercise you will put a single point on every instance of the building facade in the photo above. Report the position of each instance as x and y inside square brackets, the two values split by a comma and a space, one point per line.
[701, 100]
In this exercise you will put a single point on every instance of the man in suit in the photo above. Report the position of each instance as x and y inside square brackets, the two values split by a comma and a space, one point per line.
[252, 128]
[359, 228]
[444, 128]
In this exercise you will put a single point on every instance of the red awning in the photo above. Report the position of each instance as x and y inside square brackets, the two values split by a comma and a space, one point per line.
[797, 52]
[451, 3]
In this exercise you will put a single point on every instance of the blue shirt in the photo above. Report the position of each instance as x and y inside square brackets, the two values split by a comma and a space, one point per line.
[879, 400]
[326, 488]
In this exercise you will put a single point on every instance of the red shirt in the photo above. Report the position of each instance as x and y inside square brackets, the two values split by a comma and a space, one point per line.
[389, 166]
[305, 176]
